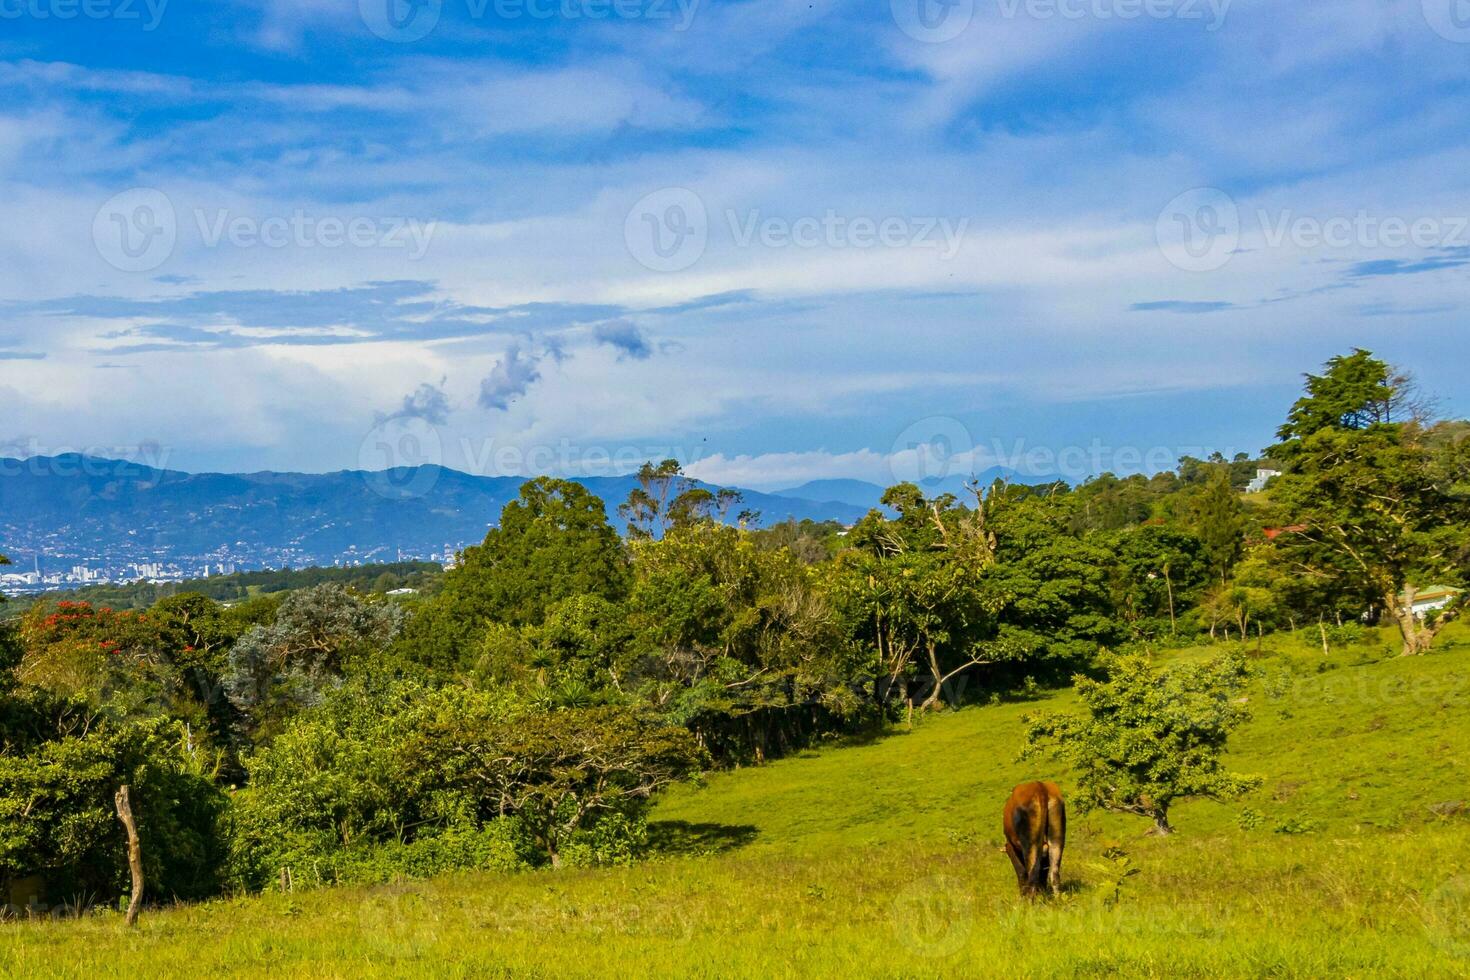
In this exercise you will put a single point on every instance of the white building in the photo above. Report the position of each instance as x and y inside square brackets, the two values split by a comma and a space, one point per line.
[1263, 477]
[1432, 598]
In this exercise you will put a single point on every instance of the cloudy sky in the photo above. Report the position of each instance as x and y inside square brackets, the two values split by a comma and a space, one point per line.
[780, 240]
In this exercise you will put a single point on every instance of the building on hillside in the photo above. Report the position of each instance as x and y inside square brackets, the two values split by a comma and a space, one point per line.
[1433, 597]
[1263, 477]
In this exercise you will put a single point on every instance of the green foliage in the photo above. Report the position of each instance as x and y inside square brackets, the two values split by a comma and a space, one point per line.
[553, 542]
[1369, 495]
[666, 499]
[1354, 392]
[724, 629]
[57, 818]
[1296, 825]
[912, 883]
[318, 636]
[1216, 517]
[562, 772]
[384, 777]
[350, 791]
[1150, 737]
[121, 665]
[1113, 869]
[1157, 572]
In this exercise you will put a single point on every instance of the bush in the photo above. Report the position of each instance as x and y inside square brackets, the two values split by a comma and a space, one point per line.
[57, 818]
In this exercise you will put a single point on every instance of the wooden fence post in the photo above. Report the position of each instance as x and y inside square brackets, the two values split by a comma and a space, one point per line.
[135, 851]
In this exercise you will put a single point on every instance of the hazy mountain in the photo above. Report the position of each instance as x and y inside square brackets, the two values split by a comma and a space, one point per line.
[860, 493]
[86, 508]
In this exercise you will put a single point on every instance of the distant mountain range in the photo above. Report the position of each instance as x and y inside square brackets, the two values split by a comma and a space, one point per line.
[78, 509]
[110, 516]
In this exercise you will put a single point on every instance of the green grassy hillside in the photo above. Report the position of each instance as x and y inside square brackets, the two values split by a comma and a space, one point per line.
[882, 858]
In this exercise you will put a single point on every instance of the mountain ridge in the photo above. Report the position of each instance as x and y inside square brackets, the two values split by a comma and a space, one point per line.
[80, 508]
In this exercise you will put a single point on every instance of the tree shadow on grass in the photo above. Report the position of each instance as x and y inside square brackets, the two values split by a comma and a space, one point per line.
[683, 837]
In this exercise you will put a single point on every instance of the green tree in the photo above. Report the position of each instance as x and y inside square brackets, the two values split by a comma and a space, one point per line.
[560, 771]
[57, 818]
[553, 542]
[732, 637]
[1354, 392]
[352, 789]
[912, 593]
[1150, 738]
[319, 634]
[1157, 571]
[1379, 519]
[1216, 516]
[666, 499]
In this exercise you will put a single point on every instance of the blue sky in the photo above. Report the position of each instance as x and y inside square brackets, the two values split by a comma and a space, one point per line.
[780, 240]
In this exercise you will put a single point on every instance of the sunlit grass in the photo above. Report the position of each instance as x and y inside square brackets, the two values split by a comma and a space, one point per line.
[882, 859]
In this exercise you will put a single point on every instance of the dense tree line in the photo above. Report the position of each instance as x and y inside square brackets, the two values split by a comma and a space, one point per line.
[527, 710]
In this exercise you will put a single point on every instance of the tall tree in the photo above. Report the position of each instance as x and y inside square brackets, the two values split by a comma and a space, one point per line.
[666, 499]
[552, 542]
[1379, 517]
[1217, 518]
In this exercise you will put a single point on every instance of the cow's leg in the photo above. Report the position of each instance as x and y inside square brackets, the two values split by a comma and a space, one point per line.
[1054, 865]
[1035, 867]
[1056, 841]
[1016, 863]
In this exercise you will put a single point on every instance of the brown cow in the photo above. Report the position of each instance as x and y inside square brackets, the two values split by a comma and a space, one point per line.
[1036, 832]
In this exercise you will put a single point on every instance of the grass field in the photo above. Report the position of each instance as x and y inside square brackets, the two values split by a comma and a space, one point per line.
[882, 859]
